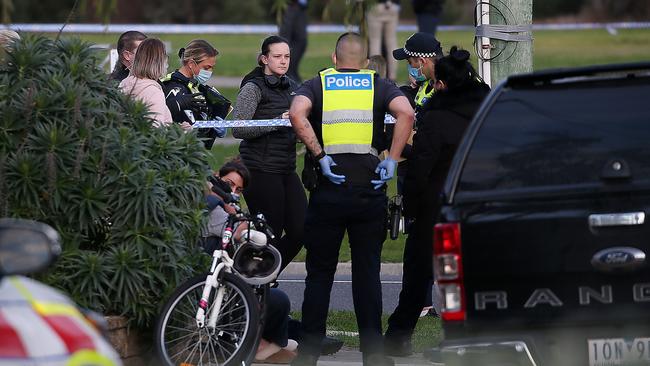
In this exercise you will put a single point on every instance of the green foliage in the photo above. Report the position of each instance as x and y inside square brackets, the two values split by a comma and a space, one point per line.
[79, 155]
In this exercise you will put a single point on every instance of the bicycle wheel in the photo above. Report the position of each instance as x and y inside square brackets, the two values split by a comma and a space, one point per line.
[179, 341]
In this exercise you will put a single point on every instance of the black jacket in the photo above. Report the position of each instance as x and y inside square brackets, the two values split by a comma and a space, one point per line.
[120, 74]
[274, 152]
[176, 85]
[440, 130]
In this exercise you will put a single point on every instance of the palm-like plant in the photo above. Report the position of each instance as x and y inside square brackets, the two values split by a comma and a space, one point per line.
[79, 155]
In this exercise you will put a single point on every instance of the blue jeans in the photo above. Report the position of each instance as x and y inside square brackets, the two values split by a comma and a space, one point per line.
[276, 321]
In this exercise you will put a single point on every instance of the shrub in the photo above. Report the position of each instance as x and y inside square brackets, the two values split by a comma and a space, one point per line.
[77, 154]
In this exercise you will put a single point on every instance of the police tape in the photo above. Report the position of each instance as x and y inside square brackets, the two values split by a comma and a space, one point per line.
[279, 122]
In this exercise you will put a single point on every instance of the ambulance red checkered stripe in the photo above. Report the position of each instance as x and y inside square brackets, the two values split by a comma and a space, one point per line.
[73, 336]
[11, 344]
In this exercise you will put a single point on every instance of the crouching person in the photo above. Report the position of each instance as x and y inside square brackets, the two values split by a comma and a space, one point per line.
[275, 345]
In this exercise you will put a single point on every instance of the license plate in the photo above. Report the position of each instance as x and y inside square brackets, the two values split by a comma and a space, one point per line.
[619, 351]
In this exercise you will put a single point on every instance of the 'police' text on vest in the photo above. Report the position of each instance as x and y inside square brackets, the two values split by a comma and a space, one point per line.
[348, 82]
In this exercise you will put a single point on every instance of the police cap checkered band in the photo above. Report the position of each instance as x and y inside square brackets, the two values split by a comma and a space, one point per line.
[419, 54]
[419, 45]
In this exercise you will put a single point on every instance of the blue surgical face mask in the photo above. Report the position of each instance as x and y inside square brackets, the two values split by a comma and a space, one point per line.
[416, 73]
[203, 76]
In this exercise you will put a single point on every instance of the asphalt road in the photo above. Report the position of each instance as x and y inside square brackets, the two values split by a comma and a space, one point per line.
[292, 281]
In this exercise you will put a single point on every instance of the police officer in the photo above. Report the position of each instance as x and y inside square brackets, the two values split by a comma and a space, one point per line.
[418, 91]
[421, 51]
[186, 90]
[339, 116]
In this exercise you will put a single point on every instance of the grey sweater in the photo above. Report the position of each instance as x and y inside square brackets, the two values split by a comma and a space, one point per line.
[248, 99]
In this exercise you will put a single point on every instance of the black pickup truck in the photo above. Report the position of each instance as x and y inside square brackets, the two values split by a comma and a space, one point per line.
[541, 247]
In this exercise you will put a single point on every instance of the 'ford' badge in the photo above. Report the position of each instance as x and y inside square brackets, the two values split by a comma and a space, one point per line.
[618, 259]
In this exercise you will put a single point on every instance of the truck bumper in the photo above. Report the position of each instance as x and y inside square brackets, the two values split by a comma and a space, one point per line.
[488, 353]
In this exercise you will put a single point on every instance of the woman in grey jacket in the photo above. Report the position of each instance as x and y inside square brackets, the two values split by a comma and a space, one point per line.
[270, 152]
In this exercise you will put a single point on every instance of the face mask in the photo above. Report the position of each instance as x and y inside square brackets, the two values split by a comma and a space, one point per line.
[203, 76]
[416, 73]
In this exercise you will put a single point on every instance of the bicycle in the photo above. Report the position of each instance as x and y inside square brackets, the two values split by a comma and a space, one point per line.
[216, 318]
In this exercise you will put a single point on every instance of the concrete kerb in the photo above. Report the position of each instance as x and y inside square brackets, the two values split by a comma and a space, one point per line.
[343, 269]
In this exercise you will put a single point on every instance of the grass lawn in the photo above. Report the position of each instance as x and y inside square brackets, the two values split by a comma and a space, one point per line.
[552, 49]
[343, 325]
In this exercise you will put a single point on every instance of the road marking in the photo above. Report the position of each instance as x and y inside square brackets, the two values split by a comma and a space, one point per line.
[335, 333]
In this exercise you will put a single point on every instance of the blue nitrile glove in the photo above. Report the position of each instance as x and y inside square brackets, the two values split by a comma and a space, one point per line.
[386, 170]
[326, 164]
[221, 131]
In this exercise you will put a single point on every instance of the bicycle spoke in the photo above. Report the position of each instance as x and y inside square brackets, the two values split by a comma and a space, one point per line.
[200, 352]
[183, 329]
[231, 326]
[187, 314]
[176, 340]
[190, 345]
[231, 310]
[211, 348]
[221, 349]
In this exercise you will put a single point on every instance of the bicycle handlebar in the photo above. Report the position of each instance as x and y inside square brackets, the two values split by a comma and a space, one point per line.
[259, 221]
[227, 197]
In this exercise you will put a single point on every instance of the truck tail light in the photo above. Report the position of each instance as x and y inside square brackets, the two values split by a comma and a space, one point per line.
[448, 268]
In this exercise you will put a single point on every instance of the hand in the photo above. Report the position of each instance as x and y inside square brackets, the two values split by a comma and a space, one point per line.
[220, 131]
[186, 126]
[229, 209]
[386, 170]
[326, 164]
[194, 101]
[285, 115]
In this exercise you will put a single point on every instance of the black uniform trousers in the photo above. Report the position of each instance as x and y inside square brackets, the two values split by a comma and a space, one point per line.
[332, 210]
[416, 279]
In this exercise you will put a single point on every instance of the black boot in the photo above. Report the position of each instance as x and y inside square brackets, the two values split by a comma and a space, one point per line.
[398, 346]
[330, 346]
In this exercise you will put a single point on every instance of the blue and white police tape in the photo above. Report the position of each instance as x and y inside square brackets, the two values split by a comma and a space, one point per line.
[258, 122]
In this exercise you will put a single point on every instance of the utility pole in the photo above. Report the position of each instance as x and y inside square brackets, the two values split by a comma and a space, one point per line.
[506, 42]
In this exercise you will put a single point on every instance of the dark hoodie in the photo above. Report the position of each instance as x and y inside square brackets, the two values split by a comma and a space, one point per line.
[440, 130]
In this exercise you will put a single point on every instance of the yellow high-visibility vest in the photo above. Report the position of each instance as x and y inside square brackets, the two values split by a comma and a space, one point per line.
[348, 99]
[422, 95]
[192, 86]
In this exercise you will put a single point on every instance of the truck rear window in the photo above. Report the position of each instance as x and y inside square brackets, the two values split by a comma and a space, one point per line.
[560, 135]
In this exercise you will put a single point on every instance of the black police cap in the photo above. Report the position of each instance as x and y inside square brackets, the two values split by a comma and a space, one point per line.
[419, 45]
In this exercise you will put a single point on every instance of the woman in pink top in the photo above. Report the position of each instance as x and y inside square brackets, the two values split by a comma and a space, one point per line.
[149, 65]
